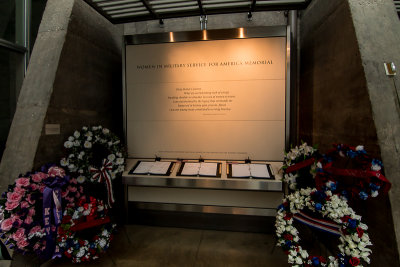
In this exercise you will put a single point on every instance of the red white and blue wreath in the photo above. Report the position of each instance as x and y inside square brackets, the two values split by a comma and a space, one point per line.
[31, 210]
[295, 163]
[362, 177]
[87, 215]
[95, 155]
[346, 223]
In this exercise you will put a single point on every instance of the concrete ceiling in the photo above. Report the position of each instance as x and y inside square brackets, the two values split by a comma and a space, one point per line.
[121, 11]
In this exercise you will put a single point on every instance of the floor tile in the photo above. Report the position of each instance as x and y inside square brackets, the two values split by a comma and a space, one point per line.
[149, 246]
[219, 248]
[157, 246]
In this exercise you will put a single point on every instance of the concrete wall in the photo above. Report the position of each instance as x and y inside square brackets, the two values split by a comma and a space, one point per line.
[334, 101]
[346, 97]
[73, 79]
[87, 89]
[377, 28]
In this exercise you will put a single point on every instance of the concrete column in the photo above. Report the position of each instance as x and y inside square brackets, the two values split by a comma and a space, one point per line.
[73, 79]
[346, 97]
[334, 102]
[377, 28]
[35, 94]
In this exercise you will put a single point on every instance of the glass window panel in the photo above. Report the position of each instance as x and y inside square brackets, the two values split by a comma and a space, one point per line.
[12, 21]
[11, 76]
[7, 20]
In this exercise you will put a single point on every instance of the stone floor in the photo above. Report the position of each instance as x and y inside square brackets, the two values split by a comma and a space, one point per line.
[144, 246]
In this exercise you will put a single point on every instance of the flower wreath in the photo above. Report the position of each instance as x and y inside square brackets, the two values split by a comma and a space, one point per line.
[361, 171]
[296, 175]
[354, 238]
[96, 155]
[87, 149]
[89, 214]
[21, 209]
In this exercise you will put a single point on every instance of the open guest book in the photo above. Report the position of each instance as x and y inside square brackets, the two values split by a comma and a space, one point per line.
[152, 168]
[247, 170]
[210, 169]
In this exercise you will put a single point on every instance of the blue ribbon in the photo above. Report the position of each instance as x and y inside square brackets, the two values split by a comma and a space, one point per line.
[52, 207]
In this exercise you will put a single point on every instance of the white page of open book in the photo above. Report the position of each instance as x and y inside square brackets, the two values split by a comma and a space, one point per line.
[259, 170]
[160, 167]
[143, 167]
[190, 168]
[208, 169]
[240, 170]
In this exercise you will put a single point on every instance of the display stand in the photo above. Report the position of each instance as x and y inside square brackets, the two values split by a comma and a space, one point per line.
[224, 195]
[221, 101]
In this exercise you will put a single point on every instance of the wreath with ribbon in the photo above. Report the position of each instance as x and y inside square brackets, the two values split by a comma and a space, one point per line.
[299, 166]
[344, 222]
[85, 231]
[351, 172]
[95, 155]
[31, 210]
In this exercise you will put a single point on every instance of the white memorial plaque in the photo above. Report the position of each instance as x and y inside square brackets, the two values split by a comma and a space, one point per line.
[222, 99]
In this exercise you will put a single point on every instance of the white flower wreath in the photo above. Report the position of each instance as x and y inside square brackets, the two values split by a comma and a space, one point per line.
[294, 156]
[354, 240]
[298, 153]
[80, 148]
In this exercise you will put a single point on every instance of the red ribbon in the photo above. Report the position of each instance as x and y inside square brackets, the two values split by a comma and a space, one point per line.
[90, 224]
[300, 165]
[104, 175]
[363, 174]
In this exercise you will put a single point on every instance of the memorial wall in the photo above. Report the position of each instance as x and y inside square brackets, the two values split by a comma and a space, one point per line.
[219, 99]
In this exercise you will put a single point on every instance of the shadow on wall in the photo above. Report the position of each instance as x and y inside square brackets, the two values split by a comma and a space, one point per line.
[334, 101]
[335, 105]
[87, 90]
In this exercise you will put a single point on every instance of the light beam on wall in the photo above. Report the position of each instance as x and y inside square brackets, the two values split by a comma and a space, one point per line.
[205, 35]
[241, 33]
